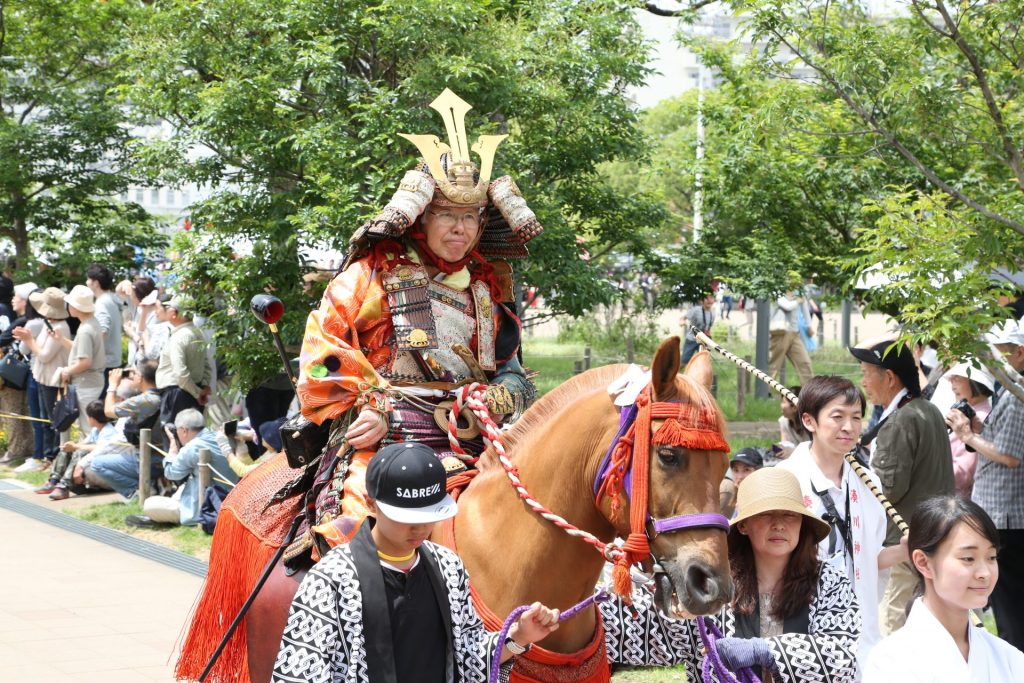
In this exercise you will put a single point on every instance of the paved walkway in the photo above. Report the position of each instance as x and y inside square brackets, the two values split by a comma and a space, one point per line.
[78, 611]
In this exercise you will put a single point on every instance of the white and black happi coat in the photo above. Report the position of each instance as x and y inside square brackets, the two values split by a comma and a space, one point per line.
[826, 653]
[327, 639]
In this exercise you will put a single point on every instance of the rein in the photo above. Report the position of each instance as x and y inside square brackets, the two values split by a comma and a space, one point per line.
[713, 661]
[598, 596]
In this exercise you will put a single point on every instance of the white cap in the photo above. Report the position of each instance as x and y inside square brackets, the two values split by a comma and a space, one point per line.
[24, 289]
[1009, 332]
[979, 375]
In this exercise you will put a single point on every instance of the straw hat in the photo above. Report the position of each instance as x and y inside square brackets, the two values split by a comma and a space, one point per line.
[771, 489]
[49, 303]
[81, 297]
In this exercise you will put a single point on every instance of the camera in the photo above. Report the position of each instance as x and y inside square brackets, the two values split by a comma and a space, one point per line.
[964, 407]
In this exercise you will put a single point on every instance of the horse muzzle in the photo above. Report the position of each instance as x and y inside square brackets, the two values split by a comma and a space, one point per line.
[696, 588]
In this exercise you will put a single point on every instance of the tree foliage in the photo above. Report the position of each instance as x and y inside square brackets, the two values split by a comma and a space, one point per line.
[937, 89]
[294, 108]
[64, 149]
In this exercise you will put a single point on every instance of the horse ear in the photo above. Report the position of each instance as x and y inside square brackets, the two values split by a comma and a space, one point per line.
[665, 368]
[699, 368]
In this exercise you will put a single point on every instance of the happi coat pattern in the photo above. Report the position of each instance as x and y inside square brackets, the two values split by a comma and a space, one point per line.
[827, 653]
[324, 640]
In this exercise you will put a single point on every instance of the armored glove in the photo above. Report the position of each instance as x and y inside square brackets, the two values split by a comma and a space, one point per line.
[740, 653]
[499, 400]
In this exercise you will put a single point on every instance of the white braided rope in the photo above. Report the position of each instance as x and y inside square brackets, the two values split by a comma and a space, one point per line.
[471, 396]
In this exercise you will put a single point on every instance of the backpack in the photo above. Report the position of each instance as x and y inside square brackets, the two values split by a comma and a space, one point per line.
[212, 500]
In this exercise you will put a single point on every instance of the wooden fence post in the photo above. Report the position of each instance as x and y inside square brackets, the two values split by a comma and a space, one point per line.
[586, 358]
[205, 473]
[630, 349]
[145, 460]
[577, 367]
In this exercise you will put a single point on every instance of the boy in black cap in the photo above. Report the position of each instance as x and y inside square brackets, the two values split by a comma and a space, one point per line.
[909, 453]
[382, 607]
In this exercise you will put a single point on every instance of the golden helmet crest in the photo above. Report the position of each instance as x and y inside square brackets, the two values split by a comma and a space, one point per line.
[459, 184]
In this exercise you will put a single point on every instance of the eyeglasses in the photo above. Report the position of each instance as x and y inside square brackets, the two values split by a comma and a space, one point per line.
[447, 219]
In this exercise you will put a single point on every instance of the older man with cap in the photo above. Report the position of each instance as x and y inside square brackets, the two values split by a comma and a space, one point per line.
[910, 453]
[999, 482]
[390, 605]
[185, 372]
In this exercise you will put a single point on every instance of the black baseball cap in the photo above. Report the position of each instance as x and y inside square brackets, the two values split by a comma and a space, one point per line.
[748, 456]
[899, 359]
[407, 481]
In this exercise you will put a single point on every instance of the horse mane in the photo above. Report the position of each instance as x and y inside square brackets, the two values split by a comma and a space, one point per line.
[553, 402]
[687, 390]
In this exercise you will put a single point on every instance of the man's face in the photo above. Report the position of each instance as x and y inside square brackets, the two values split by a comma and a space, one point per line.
[708, 302]
[451, 231]
[740, 471]
[185, 434]
[1014, 355]
[93, 285]
[874, 379]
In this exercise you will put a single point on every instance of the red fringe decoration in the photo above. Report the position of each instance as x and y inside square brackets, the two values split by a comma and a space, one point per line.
[227, 586]
[702, 435]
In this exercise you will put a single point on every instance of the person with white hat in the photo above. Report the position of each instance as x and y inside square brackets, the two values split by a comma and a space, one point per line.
[87, 355]
[390, 605]
[973, 388]
[793, 616]
[48, 356]
[999, 481]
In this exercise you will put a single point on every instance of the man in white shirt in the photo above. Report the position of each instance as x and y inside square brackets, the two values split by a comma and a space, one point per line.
[832, 409]
[100, 280]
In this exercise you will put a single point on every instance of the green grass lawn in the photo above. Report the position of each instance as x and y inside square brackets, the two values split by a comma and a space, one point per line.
[190, 540]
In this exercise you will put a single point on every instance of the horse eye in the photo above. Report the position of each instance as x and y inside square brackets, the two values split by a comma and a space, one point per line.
[668, 457]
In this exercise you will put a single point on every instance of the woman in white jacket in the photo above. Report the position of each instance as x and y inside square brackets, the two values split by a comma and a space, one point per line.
[794, 618]
[953, 545]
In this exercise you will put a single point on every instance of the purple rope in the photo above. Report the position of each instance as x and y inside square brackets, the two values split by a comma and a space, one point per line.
[713, 659]
[601, 595]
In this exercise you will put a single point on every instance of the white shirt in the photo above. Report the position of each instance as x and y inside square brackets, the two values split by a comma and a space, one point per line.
[867, 531]
[923, 651]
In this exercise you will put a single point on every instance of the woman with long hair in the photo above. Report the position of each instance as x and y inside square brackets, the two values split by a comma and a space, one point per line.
[953, 546]
[793, 617]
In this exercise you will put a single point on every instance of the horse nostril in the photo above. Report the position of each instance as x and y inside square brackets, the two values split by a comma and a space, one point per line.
[700, 582]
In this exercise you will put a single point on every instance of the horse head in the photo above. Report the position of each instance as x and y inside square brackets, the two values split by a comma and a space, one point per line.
[686, 463]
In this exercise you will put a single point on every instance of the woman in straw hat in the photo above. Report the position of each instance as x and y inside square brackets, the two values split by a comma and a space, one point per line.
[793, 617]
[48, 356]
[975, 386]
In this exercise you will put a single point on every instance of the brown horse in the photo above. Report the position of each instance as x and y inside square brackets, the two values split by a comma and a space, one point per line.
[515, 557]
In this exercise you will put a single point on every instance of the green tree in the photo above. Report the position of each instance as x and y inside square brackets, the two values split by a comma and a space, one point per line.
[296, 107]
[785, 174]
[937, 88]
[64, 142]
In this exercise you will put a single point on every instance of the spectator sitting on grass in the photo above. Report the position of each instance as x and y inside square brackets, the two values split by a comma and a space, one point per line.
[182, 465]
[62, 474]
[116, 467]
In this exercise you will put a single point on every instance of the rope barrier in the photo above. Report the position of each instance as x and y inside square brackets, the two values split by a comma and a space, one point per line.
[600, 595]
[16, 416]
[850, 458]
